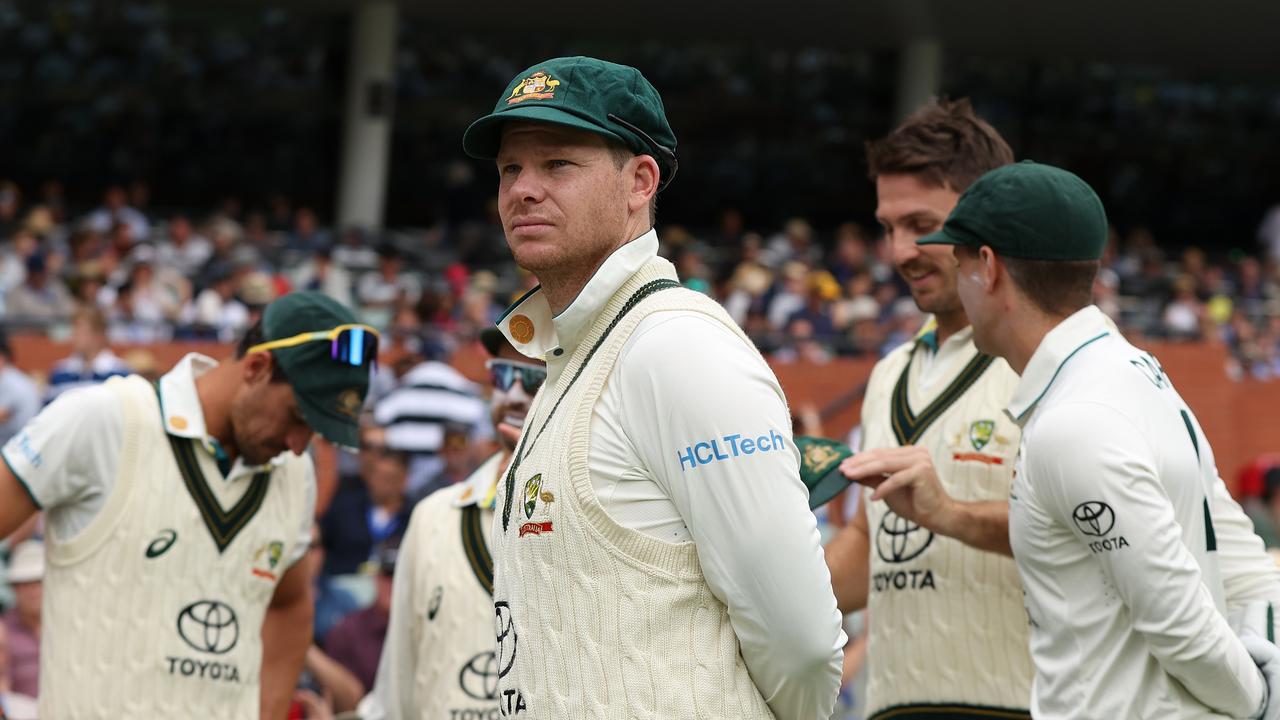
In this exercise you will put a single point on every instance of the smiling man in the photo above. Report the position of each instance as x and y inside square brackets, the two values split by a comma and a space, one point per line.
[935, 573]
[654, 557]
[176, 515]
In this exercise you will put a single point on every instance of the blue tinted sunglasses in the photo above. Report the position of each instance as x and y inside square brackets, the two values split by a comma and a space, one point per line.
[503, 374]
[354, 344]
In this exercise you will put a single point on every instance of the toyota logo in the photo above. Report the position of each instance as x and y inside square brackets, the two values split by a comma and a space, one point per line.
[1094, 518]
[209, 626]
[899, 540]
[479, 677]
[505, 630]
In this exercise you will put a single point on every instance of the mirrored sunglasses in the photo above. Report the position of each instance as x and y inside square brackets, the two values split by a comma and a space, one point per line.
[503, 374]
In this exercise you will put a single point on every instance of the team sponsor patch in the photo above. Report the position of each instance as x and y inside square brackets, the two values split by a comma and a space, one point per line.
[728, 447]
[1095, 518]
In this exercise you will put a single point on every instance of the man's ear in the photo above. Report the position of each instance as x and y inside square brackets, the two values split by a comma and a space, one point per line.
[257, 366]
[644, 182]
[992, 268]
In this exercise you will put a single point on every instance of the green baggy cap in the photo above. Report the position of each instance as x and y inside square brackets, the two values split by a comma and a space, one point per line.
[1029, 211]
[820, 460]
[605, 98]
[330, 393]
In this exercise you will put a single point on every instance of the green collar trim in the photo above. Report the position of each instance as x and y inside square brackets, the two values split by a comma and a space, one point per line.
[223, 525]
[907, 426]
[1022, 415]
[476, 548]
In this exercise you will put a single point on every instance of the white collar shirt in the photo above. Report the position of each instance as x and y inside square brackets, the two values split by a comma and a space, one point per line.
[1110, 527]
[682, 381]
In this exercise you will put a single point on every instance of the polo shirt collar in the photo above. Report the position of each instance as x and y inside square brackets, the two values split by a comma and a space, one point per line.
[535, 331]
[184, 417]
[1055, 350]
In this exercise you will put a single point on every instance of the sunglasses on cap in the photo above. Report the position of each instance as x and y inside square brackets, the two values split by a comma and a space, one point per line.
[351, 344]
[503, 374]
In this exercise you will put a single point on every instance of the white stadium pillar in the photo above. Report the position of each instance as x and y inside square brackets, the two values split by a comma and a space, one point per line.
[362, 184]
[919, 75]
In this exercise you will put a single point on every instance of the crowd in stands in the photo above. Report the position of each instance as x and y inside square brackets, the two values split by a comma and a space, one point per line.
[801, 292]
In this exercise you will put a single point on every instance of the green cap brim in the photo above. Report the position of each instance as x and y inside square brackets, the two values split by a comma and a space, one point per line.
[820, 460]
[338, 429]
[942, 237]
[484, 136]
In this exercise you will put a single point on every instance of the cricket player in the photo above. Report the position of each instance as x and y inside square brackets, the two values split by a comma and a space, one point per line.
[438, 660]
[654, 554]
[177, 513]
[1112, 512]
[948, 637]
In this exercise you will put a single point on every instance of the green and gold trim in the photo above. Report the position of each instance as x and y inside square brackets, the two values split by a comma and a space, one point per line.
[223, 525]
[950, 711]
[907, 426]
[475, 547]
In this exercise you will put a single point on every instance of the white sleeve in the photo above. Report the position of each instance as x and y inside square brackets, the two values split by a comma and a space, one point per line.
[1155, 575]
[69, 452]
[303, 542]
[708, 419]
[1249, 574]
[392, 693]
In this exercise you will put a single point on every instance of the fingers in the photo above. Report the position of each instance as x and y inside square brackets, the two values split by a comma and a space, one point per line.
[874, 465]
[892, 485]
[510, 433]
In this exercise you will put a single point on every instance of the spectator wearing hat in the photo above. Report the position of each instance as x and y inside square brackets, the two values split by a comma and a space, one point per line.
[380, 291]
[424, 401]
[184, 507]
[19, 396]
[91, 360]
[26, 575]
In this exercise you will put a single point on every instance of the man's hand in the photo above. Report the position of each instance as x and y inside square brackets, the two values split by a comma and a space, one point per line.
[904, 478]
[1267, 657]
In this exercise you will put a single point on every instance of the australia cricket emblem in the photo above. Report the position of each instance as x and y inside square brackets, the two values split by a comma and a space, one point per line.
[532, 490]
[981, 432]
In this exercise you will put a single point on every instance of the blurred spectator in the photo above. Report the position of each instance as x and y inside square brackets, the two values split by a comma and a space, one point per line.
[91, 360]
[362, 521]
[13, 705]
[19, 396]
[1184, 314]
[307, 237]
[320, 272]
[793, 244]
[182, 249]
[427, 397]
[456, 460]
[26, 575]
[382, 289]
[354, 253]
[789, 293]
[217, 310]
[115, 210]
[356, 641]
[13, 262]
[41, 297]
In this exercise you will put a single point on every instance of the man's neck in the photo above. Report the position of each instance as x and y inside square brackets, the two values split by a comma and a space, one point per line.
[215, 394]
[1025, 333]
[949, 324]
[562, 288]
